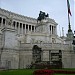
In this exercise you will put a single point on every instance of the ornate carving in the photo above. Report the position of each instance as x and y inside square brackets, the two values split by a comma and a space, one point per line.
[9, 20]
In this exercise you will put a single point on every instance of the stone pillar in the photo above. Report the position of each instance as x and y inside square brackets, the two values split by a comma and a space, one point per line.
[51, 29]
[2, 22]
[5, 22]
[54, 30]
[11, 24]
[22, 29]
[25, 28]
[31, 28]
[34, 28]
[15, 25]
[19, 28]
[28, 27]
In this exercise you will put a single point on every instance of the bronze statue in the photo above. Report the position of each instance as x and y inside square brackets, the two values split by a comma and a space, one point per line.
[42, 16]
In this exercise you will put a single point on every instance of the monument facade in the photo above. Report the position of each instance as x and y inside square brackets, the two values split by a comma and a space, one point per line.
[24, 41]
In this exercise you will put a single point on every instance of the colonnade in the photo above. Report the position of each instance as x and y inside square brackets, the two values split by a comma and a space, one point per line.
[2, 21]
[53, 29]
[22, 28]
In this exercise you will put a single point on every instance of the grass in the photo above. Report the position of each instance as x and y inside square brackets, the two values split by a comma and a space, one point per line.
[25, 72]
[64, 74]
[17, 72]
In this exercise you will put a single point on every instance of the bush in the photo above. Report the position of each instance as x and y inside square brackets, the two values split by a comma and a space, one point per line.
[64, 72]
[43, 72]
[51, 72]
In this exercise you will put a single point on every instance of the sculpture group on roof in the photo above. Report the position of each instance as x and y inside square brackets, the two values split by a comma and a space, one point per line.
[42, 15]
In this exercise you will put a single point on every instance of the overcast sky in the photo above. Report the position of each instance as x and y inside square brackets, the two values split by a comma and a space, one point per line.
[57, 10]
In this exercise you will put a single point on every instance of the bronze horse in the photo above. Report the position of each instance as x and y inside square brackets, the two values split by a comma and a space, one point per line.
[42, 15]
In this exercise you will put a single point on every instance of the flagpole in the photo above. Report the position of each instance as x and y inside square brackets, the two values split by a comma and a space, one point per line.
[69, 26]
[68, 19]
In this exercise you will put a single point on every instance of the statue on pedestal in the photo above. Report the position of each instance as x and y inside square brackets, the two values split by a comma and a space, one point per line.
[42, 15]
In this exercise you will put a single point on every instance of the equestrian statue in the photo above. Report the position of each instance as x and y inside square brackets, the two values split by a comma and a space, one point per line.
[42, 15]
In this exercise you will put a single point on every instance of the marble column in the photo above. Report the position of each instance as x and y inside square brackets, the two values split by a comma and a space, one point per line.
[19, 28]
[51, 29]
[34, 28]
[56, 30]
[15, 25]
[25, 28]
[1, 22]
[28, 27]
[22, 29]
[31, 28]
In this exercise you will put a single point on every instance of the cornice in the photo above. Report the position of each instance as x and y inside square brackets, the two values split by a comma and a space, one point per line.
[52, 21]
[17, 16]
[23, 18]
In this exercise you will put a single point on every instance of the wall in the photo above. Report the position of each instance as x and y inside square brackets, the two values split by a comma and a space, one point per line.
[10, 38]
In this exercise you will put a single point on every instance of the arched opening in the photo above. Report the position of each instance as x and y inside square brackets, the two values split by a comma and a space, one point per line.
[36, 54]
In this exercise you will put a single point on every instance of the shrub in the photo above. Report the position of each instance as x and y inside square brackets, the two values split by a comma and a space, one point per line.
[51, 72]
[43, 72]
[64, 72]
